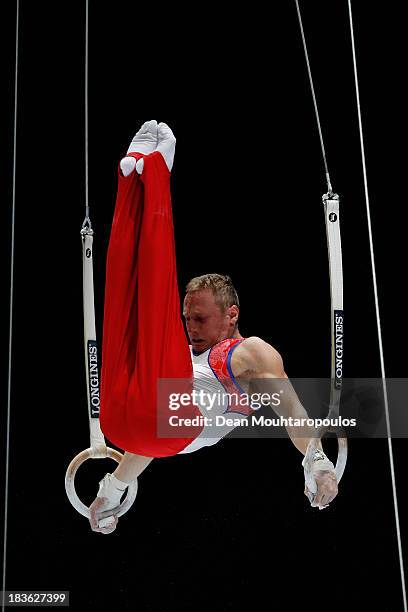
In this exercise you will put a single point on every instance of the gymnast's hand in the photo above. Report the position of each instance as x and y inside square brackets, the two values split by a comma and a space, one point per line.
[111, 489]
[326, 481]
[107, 525]
[326, 489]
[151, 137]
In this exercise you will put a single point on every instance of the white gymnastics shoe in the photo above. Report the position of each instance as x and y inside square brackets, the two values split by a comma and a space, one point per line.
[166, 144]
[145, 141]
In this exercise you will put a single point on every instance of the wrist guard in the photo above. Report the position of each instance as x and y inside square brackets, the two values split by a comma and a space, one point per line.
[320, 462]
[112, 488]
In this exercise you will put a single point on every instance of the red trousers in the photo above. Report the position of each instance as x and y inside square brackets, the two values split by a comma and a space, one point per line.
[143, 334]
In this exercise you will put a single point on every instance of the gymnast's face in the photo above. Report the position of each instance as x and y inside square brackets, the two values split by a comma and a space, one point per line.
[206, 322]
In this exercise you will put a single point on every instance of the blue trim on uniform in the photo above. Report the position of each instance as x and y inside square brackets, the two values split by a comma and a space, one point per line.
[234, 380]
[230, 351]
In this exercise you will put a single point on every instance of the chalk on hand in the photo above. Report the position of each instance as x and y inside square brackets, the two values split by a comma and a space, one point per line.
[106, 523]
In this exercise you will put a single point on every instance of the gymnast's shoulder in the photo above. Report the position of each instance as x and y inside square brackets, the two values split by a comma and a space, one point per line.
[254, 356]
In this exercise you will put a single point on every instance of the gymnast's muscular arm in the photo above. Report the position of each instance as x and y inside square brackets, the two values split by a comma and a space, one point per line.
[259, 363]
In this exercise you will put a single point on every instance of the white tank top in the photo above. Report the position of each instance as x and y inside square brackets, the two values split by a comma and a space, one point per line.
[217, 391]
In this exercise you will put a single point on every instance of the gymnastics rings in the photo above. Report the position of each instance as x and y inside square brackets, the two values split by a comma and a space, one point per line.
[92, 453]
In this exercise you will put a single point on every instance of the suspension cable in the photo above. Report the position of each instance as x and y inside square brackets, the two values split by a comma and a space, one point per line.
[377, 311]
[86, 111]
[326, 167]
[13, 215]
[86, 225]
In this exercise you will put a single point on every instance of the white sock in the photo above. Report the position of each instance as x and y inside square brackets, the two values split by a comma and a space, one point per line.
[144, 141]
[151, 137]
[166, 144]
[127, 165]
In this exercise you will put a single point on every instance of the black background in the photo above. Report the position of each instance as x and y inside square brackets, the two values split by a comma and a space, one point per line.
[227, 527]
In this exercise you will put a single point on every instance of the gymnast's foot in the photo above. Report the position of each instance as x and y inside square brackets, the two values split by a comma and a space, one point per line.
[166, 144]
[151, 137]
[145, 141]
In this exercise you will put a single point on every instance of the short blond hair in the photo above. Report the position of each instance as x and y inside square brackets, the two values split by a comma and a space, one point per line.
[221, 286]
